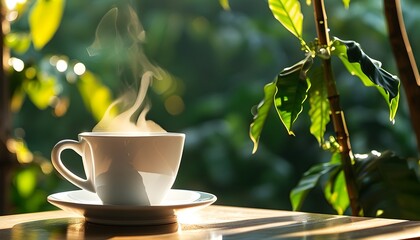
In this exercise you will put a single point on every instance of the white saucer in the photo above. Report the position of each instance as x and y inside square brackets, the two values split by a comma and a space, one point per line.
[89, 205]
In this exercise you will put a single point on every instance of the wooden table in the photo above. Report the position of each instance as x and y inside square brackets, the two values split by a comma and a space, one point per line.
[213, 222]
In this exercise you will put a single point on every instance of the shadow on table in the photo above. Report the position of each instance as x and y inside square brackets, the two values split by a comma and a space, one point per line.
[303, 226]
[313, 226]
[77, 228]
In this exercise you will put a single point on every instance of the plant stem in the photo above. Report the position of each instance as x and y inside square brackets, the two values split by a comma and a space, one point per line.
[405, 61]
[337, 115]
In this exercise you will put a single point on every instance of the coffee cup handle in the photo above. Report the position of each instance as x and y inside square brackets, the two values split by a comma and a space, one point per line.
[87, 183]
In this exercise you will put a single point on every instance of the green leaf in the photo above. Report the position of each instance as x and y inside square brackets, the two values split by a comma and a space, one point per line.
[225, 4]
[369, 71]
[292, 88]
[262, 112]
[288, 92]
[389, 186]
[19, 42]
[26, 182]
[309, 180]
[96, 96]
[319, 111]
[289, 14]
[335, 193]
[41, 90]
[335, 190]
[346, 3]
[44, 20]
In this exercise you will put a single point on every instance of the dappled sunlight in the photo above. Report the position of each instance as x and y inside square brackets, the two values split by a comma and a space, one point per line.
[79, 68]
[61, 65]
[13, 7]
[213, 65]
[12, 4]
[17, 64]
[364, 156]
[174, 105]
[19, 147]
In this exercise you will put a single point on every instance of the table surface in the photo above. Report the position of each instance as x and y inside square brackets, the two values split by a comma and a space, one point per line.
[212, 222]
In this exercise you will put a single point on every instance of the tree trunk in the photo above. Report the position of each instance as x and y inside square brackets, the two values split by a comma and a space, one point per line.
[407, 68]
[337, 115]
[7, 158]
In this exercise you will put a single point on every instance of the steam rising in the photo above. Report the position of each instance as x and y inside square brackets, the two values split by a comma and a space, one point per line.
[123, 34]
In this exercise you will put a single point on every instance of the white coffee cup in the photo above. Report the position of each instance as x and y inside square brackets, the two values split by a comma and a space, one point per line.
[124, 168]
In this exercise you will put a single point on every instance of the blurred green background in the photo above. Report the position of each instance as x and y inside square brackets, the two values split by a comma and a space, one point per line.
[219, 62]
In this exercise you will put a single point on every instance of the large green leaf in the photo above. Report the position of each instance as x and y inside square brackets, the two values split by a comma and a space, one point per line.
[309, 180]
[335, 190]
[262, 112]
[287, 92]
[44, 20]
[369, 71]
[319, 111]
[292, 88]
[389, 186]
[289, 14]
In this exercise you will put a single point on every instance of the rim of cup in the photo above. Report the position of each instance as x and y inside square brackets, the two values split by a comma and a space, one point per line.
[129, 134]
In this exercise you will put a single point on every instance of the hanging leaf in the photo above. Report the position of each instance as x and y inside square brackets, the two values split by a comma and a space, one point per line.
[309, 180]
[371, 68]
[319, 111]
[292, 88]
[289, 14]
[261, 115]
[346, 3]
[369, 71]
[225, 4]
[335, 190]
[41, 90]
[44, 20]
[389, 186]
[96, 96]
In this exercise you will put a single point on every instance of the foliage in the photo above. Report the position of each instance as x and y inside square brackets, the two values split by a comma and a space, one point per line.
[389, 185]
[289, 15]
[287, 93]
[319, 111]
[289, 101]
[45, 80]
[369, 72]
[357, 63]
[310, 179]
[44, 20]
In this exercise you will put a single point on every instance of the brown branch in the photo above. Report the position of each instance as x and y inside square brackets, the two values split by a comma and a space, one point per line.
[405, 61]
[7, 159]
[337, 115]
